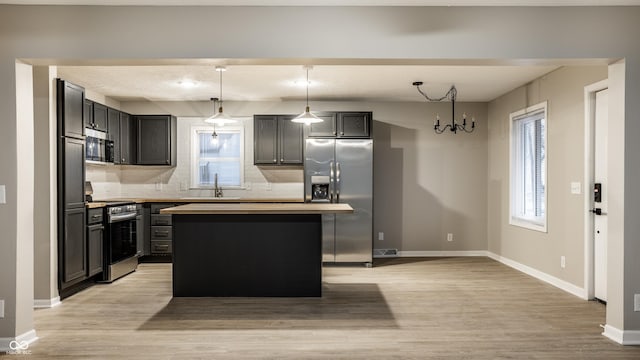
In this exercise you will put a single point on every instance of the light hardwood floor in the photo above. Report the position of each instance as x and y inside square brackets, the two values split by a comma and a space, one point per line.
[429, 308]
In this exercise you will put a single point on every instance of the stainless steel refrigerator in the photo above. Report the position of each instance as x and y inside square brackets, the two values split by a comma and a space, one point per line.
[341, 171]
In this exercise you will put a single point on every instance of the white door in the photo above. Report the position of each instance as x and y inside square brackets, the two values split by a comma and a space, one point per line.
[600, 220]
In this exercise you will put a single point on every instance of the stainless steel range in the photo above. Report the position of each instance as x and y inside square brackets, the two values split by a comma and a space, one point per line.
[120, 245]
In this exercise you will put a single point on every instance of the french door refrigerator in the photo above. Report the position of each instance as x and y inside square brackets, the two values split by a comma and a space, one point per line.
[341, 171]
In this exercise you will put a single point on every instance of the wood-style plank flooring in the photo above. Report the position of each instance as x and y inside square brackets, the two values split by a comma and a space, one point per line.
[428, 308]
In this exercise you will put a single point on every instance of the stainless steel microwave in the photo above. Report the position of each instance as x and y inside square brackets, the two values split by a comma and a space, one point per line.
[98, 147]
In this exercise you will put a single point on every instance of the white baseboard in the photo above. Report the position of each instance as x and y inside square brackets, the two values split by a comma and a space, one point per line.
[628, 337]
[46, 303]
[442, 253]
[559, 283]
[25, 340]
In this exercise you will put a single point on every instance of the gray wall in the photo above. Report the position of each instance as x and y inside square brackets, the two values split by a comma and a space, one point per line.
[563, 90]
[102, 33]
[425, 185]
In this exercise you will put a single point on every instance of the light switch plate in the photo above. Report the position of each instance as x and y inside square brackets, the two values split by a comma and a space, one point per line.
[636, 302]
[3, 194]
[1, 308]
[576, 188]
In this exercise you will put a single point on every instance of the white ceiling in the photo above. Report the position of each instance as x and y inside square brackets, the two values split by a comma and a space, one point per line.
[275, 81]
[287, 82]
[333, 2]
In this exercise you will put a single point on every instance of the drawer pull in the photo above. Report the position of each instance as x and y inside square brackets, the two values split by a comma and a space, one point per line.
[164, 233]
[161, 247]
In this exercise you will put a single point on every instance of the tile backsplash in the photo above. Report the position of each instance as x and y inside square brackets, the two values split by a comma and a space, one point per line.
[114, 181]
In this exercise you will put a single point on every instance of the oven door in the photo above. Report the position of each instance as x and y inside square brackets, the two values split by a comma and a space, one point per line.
[121, 242]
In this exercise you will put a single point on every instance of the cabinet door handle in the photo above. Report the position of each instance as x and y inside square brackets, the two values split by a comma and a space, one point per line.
[282, 160]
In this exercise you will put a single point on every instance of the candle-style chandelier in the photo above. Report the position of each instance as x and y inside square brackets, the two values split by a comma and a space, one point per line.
[452, 94]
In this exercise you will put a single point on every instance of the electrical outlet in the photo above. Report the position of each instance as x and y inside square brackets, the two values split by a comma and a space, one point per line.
[1, 309]
[636, 302]
[380, 235]
[268, 186]
[449, 237]
[563, 261]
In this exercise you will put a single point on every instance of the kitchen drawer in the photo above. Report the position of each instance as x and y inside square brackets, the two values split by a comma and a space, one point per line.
[161, 233]
[161, 247]
[94, 216]
[157, 219]
[155, 208]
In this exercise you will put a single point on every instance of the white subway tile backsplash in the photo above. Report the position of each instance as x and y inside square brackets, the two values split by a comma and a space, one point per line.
[114, 181]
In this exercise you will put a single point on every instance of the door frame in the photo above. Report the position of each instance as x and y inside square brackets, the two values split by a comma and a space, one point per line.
[589, 178]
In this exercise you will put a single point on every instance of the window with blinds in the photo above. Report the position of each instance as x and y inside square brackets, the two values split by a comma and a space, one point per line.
[528, 169]
[222, 155]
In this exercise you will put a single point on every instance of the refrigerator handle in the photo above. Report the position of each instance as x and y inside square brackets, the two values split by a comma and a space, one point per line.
[331, 184]
[337, 182]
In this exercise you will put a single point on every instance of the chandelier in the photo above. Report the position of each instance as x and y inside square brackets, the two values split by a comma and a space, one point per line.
[452, 94]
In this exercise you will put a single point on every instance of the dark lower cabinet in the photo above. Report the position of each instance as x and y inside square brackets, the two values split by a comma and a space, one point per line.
[95, 238]
[161, 236]
[74, 246]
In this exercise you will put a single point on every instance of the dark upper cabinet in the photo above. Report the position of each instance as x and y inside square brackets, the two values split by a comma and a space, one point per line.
[327, 128]
[88, 113]
[265, 139]
[99, 117]
[127, 150]
[277, 140]
[155, 139]
[70, 109]
[74, 264]
[342, 125]
[290, 141]
[113, 119]
[354, 124]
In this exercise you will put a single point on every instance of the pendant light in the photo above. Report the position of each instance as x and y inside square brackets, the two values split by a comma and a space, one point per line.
[220, 117]
[214, 136]
[307, 117]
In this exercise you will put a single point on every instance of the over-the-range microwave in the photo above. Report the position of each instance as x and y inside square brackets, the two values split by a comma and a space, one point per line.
[98, 147]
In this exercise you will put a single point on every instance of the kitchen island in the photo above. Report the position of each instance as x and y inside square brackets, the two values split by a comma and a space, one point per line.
[249, 249]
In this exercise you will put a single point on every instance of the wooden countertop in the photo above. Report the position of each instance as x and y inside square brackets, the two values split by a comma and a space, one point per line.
[201, 200]
[259, 208]
[95, 204]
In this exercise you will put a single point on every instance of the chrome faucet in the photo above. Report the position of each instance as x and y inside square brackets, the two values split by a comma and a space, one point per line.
[217, 191]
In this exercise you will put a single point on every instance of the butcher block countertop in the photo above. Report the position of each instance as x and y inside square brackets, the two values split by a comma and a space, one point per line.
[259, 208]
[224, 200]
